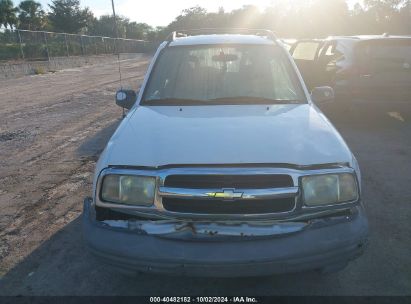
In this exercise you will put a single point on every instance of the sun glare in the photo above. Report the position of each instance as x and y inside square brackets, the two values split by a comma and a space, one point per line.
[171, 9]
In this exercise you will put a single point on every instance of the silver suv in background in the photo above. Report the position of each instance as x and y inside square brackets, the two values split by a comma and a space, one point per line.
[371, 69]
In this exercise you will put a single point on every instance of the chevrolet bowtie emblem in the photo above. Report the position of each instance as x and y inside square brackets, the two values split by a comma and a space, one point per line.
[226, 194]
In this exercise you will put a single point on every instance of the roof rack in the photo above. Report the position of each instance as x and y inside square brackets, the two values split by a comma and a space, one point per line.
[207, 31]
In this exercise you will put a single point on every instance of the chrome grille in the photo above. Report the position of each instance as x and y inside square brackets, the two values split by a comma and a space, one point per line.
[228, 193]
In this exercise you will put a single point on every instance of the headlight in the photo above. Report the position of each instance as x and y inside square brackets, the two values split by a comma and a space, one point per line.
[329, 189]
[128, 189]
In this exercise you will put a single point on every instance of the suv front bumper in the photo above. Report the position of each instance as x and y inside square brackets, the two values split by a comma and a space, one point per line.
[326, 246]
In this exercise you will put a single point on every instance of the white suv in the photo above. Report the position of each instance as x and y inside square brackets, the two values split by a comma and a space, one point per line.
[225, 167]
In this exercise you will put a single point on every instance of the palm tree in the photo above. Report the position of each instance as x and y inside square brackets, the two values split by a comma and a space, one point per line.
[8, 13]
[31, 16]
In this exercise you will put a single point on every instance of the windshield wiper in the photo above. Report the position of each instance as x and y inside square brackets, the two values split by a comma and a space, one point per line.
[254, 100]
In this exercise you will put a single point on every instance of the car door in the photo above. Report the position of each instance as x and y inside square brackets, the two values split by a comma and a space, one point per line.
[328, 63]
[305, 54]
[385, 68]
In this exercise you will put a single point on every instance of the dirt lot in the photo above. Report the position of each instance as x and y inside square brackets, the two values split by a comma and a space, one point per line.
[52, 129]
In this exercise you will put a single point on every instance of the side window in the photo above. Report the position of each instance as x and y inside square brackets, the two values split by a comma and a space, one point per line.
[306, 50]
[330, 50]
[330, 54]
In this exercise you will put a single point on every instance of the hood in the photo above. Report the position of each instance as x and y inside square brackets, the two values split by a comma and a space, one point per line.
[226, 134]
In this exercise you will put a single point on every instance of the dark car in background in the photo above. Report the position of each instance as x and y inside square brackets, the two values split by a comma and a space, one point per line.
[361, 69]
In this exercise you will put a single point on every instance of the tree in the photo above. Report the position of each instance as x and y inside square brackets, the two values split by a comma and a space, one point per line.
[328, 17]
[67, 16]
[31, 15]
[386, 16]
[157, 34]
[136, 30]
[248, 16]
[104, 26]
[8, 12]
[307, 18]
[191, 18]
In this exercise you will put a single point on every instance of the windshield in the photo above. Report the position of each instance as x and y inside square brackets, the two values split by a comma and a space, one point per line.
[240, 74]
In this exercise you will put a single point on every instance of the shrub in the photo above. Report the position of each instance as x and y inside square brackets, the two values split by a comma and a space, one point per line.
[9, 51]
[39, 71]
[35, 51]
[57, 49]
[74, 49]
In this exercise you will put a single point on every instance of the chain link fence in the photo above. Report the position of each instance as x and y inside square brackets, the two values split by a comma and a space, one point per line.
[40, 45]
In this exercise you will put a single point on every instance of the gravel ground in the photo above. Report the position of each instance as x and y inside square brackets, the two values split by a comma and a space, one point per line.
[52, 129]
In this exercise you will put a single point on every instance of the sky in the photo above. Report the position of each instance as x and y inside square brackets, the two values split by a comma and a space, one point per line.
[162, 12]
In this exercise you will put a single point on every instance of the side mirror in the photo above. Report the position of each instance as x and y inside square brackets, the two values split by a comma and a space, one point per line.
[322, 95]
[126, 98]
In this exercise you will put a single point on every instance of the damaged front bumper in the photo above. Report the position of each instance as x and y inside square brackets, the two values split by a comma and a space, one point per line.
[226, 248]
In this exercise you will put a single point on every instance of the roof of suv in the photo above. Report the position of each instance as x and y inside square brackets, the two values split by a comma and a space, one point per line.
[348, 42]
[367, 37]
[222, 39]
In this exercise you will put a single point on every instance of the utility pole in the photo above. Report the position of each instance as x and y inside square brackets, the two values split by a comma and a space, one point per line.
[116, 45]
[115, 19]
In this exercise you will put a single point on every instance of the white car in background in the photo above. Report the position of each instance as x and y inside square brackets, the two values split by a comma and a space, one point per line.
[224, 166]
